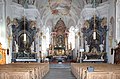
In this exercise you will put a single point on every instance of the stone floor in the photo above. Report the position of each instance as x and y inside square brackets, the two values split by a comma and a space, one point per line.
[60, 65]
[59, 71]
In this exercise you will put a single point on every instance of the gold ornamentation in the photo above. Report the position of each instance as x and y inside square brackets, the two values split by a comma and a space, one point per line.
[2, 55]
[86, 24]
[104, 22]
[9, 39]
[8, 20]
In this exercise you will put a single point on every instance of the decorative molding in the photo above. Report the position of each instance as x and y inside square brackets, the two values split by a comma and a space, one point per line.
[18, 11]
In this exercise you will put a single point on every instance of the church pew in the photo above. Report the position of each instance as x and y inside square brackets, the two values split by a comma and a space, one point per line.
[26, 67]
[43, 67]
[98, 75]
[40, 70]
[107, 74]
[34, 70]
[116, 75]
[12, 74]
[79, 70]
[19, 70]
[99, 69]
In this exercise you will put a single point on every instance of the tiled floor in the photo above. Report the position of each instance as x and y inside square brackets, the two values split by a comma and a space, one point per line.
[59, 71]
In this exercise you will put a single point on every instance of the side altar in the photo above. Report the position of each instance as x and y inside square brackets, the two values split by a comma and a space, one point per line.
[94, 36]
[23, 36]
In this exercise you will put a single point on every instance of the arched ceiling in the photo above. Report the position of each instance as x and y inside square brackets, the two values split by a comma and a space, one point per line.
[68, 10]
[52, 10]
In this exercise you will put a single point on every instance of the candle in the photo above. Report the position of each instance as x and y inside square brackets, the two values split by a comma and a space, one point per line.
[24, 37]
[94, 35]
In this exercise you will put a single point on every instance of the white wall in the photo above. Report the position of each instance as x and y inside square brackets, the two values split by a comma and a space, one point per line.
[118, 21]
[111, 13]
[3, 38]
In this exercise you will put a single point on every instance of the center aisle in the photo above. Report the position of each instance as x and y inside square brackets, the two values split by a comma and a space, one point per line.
[59, 71]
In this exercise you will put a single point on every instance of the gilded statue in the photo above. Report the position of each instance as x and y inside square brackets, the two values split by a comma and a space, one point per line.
[86, 24]
[104, 22]
[94, 50]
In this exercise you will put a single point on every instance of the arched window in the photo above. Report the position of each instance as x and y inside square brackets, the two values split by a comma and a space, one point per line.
[47, 37]
[71, 37]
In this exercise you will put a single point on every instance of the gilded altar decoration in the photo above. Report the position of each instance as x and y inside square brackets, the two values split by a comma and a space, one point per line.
[86, 24]
[104, 22]
[2, 55]
[59, 39]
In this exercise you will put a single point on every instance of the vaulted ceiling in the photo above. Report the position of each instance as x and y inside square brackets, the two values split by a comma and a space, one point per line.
[50, 11]
[67, 10]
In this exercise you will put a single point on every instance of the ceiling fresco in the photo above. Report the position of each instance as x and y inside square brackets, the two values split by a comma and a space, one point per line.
[60, 6]
[70, 11]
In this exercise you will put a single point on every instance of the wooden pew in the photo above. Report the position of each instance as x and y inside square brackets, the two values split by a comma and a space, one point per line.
[12, 74]
[99, 75]
[31, 70]
[43, 68]
[80, 70]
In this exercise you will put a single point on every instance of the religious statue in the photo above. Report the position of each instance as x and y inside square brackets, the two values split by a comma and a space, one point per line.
[94, 50]
[9, 30]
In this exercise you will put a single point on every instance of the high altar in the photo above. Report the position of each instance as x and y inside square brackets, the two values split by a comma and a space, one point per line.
[59, 45]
